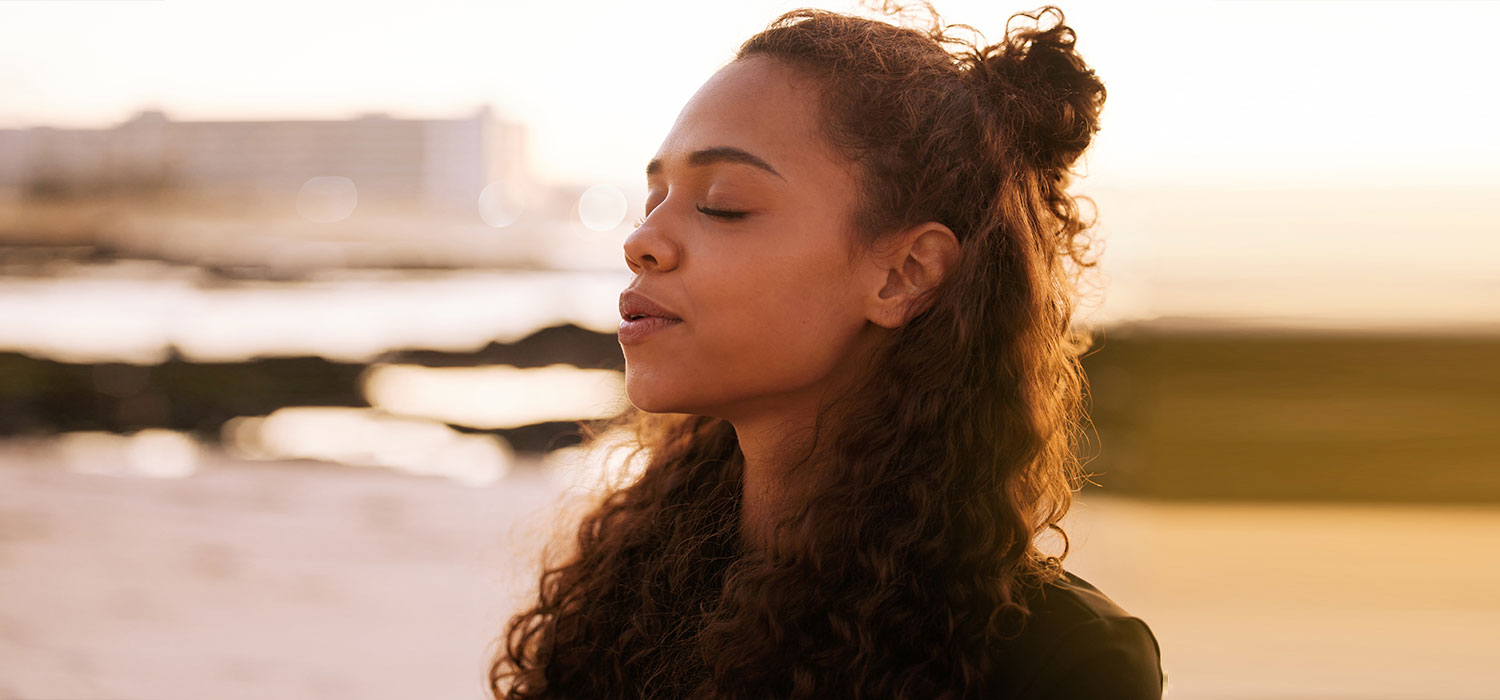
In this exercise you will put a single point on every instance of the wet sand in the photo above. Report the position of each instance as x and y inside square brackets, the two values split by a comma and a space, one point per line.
[298, 580]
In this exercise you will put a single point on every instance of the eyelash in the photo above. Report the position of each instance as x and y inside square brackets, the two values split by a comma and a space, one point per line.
[722, 213]
[716, 213]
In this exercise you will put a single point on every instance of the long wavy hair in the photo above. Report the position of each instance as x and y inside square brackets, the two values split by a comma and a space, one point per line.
[909, 555]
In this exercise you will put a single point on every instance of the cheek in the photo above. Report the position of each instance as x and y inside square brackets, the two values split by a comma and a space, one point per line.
[785, 325]
[769, 314]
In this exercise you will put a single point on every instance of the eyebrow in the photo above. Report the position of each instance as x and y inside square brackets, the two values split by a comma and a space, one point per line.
[718, 154]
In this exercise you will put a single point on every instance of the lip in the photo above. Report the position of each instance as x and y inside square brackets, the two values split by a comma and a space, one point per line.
[654, 317]
[638, 330]
[633, 303]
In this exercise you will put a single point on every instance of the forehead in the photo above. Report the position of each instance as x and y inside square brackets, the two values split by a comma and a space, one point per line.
[761, 106]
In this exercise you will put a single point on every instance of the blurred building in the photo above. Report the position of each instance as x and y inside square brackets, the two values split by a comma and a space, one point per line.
[429, 163]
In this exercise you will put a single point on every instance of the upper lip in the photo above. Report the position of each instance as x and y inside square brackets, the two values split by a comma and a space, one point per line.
[633, 303]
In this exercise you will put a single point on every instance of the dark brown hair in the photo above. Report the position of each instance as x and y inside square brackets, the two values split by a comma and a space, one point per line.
[935, 473]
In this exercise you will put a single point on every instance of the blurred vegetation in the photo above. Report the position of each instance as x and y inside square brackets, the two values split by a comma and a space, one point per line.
[1177, 414]
[1296, 416]
[42, 396]
[47, 186]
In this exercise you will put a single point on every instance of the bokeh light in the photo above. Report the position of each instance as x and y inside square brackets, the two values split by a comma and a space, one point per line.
[602, 207]
[370, 438]
[153, 452]
[496, 397]
[327, 199]
[500, 204]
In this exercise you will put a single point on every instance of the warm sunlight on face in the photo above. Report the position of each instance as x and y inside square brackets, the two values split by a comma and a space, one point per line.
[754, 262]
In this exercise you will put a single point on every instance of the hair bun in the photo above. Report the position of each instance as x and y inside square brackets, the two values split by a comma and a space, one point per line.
[1044, 97]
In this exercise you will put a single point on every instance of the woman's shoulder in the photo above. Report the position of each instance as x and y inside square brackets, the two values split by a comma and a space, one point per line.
[1078, 643]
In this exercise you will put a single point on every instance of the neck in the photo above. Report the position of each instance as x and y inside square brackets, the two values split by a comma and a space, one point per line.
[771, 474]
[775, 438]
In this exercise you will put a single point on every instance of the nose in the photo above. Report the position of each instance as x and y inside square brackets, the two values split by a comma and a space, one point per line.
[650, 246]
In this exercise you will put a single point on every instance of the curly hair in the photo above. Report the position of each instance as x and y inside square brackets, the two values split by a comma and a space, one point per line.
[908, 557]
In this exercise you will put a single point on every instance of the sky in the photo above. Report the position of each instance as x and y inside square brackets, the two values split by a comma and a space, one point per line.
[1388, 106]
[1265, 92]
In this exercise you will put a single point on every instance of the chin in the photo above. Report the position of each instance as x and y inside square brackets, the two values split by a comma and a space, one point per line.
[655, 398]
[649, 400]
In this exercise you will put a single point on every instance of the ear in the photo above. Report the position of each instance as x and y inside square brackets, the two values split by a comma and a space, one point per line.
[905, 266]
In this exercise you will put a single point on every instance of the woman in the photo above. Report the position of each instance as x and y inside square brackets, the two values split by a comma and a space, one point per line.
[849, 349]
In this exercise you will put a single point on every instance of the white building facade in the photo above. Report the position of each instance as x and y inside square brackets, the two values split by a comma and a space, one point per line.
[439, 164]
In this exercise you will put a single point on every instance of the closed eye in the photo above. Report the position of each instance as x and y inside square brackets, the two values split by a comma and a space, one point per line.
[721, 213]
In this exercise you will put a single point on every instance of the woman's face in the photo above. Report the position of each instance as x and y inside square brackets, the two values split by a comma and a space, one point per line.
[746, 239]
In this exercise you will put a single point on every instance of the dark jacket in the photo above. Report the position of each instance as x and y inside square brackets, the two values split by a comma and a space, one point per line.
[1079, 644]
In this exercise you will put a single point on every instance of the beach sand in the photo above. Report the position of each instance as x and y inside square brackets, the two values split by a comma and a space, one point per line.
[303, 580]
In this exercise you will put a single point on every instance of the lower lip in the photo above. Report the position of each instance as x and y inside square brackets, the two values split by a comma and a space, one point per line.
[640, 329]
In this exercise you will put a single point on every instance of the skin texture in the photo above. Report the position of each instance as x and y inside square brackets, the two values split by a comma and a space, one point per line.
[775, 313]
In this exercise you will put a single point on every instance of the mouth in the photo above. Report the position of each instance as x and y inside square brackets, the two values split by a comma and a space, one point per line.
[635, 307]
[636, 328]
[649, 319]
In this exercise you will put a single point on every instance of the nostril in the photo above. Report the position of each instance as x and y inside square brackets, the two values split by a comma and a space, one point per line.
[638, 261]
